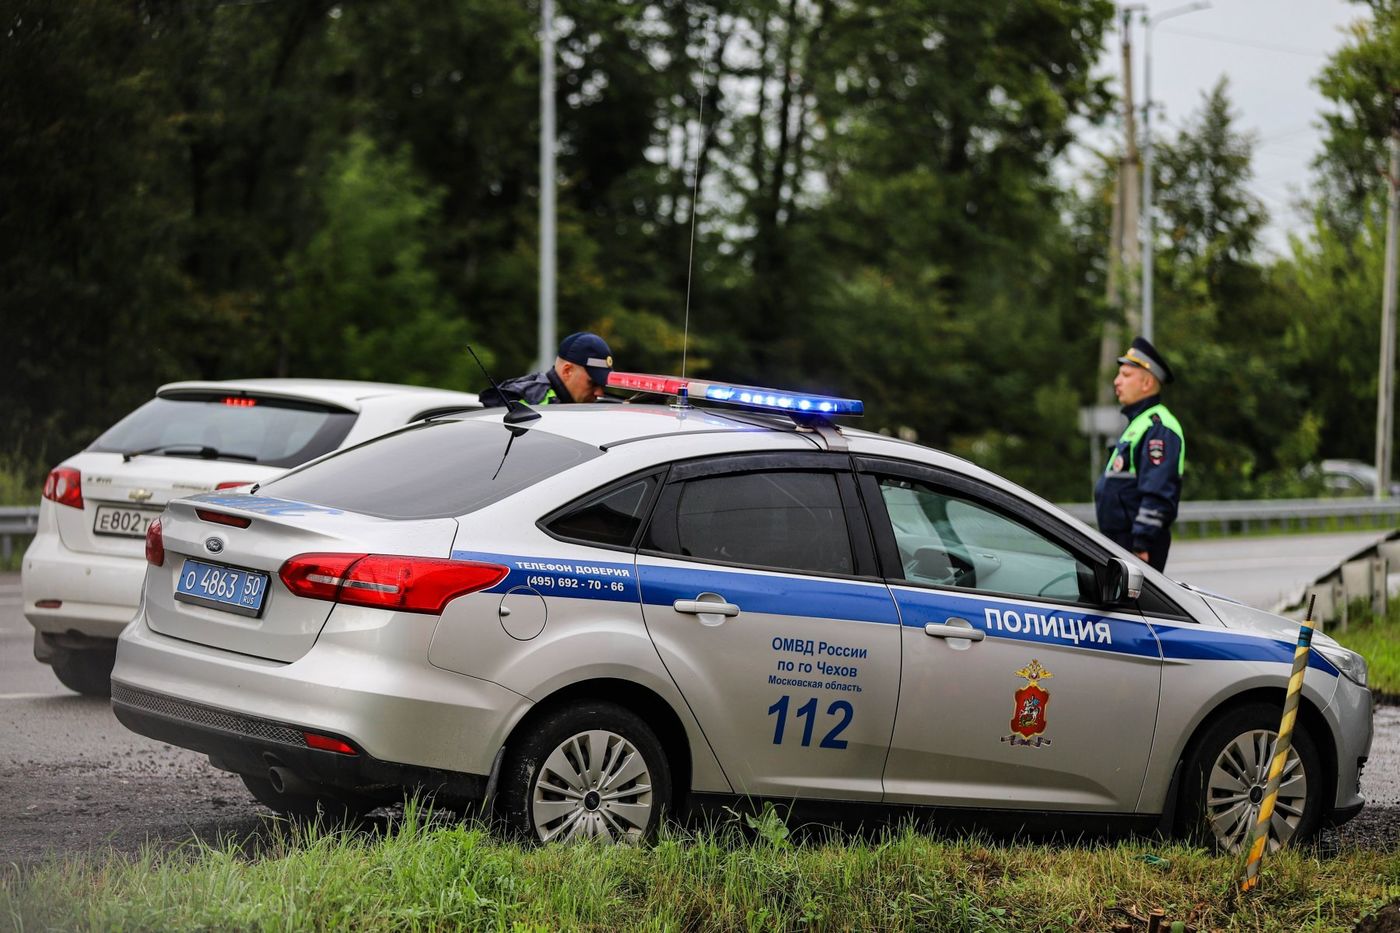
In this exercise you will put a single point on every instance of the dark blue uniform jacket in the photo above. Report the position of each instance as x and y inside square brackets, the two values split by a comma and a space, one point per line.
[1136, 497]
[534, 388]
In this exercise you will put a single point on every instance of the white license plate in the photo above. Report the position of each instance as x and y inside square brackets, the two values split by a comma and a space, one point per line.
[123, 522]
[228, 588]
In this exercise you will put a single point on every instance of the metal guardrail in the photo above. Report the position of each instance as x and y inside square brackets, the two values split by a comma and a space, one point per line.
[16, 521]
[1359, 581]
[1247, 516]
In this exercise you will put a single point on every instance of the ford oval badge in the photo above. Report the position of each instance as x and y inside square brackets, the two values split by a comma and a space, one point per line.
[213, 545]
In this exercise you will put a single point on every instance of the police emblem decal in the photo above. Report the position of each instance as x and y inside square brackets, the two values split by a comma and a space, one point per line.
[1028, 716]
[1156, 451]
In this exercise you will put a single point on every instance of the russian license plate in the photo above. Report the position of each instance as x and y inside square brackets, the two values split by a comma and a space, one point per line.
[123, 522]
[226, 588]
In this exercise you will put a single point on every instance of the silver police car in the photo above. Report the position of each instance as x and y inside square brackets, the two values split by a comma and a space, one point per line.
[593, 615]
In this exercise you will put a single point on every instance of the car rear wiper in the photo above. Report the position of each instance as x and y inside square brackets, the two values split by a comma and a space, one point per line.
[188, 450]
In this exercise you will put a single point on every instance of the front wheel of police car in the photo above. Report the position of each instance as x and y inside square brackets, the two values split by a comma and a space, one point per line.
[592, 770]
[1226, 777]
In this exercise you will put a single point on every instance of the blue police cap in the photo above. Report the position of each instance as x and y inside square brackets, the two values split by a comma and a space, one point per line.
[589, 351]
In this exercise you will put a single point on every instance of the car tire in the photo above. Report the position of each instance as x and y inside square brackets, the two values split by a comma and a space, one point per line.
[588, 770]
[1224, 781]
[86, 671]
[333, 808]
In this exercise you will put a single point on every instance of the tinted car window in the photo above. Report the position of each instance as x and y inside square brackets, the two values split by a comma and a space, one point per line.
[275, 432]
[790, 521]
[612, 517]
[949, 541]
[433, 469]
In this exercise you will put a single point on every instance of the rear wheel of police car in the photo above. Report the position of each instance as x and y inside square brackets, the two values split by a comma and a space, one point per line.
[1226, 777]
[589, 770]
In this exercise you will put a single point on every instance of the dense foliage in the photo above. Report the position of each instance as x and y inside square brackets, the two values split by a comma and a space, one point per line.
[223, 189]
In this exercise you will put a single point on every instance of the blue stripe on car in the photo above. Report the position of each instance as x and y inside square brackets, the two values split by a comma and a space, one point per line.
[828, 598]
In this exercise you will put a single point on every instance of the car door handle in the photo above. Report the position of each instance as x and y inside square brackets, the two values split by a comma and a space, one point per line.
[947, 630]
[713, 606]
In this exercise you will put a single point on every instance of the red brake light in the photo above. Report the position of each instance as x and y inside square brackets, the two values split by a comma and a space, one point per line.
[64, 485]
[387, 581]
[155, 544]
[328, 744]
[316, 576]
[239, 401]
[219, 518]
[233, 485]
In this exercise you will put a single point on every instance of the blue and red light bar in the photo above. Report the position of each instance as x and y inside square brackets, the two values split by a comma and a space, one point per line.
[754, 397]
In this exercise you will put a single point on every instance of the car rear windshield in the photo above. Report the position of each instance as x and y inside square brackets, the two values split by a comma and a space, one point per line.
[221, 426]
[434, 469]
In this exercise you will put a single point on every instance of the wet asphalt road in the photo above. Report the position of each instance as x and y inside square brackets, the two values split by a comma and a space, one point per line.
[73, 780]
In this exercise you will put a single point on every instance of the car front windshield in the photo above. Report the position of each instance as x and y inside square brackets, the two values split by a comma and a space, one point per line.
[222, 426]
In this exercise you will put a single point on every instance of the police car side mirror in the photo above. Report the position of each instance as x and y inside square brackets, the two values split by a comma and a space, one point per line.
[1122, 582]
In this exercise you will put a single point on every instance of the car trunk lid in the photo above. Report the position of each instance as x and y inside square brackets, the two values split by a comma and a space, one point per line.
[232, 597]
[121, 498]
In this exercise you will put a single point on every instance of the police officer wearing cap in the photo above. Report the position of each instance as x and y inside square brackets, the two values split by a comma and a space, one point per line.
[579, 374]
[1137, 495]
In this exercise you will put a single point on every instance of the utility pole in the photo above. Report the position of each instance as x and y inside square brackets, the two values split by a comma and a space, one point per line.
[1132, 197]
[547, 254]
[1122, 248]
[1385, 392]
[1103, 420]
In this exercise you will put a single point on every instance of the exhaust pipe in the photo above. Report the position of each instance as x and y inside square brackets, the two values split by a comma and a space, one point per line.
[285, 782]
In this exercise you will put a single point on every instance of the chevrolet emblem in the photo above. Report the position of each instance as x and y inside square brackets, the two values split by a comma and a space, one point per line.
[139, 495]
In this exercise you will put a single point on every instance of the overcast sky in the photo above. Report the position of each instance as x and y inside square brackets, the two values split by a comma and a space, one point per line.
[1271, 51]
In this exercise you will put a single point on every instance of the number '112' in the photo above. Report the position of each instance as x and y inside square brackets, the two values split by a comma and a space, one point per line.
[807, 712]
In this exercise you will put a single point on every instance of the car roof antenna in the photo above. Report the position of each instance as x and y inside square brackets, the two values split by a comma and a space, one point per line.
[683, 398]
[516, 410]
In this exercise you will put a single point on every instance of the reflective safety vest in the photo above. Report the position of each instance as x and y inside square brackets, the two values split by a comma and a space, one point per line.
[1133, 434]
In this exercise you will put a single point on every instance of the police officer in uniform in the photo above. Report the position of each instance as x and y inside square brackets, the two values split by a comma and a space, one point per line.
[579, 374]
[1137, 495]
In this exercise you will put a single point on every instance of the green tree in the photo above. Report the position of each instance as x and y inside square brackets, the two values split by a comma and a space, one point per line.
[360, 299]
[1362, 80]
[1225, 318]
[91, 286]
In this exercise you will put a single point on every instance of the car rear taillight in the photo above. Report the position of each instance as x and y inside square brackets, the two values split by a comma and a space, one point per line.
[219, 518]
[64, 485]
[155, 544]
[233, 484]
[387, 581]
[328, 743]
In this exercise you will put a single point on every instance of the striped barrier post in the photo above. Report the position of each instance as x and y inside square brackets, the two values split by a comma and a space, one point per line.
[1281, 749]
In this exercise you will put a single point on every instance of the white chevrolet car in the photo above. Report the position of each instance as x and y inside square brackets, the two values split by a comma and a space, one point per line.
[597, 614]
[81, 576]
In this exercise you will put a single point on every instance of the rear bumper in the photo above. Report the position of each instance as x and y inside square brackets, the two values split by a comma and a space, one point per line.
[366, 680]
[248, 745]
[99, 592]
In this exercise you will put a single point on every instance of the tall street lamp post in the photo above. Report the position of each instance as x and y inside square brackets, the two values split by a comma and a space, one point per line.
[547, 259]
[1148, 218]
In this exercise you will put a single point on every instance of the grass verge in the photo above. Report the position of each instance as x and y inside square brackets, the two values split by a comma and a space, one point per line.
[1377, 639]
[428, 875]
